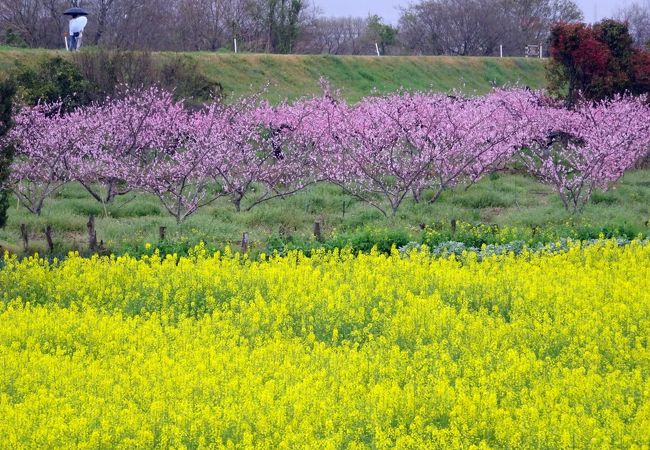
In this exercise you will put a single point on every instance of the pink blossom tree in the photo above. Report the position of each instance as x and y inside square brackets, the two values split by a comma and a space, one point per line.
[470, 137]
[44, 138]
[592, 146]
[379, 159]
[254, 151]
[124, 134]
[405, 143]
[320, 132]
[178, 168]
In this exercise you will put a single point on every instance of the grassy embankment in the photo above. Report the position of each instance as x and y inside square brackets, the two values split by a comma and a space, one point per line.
[291, 76]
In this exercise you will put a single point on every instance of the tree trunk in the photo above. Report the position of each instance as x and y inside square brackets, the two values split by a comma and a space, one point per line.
[416, 195]
[237, 202]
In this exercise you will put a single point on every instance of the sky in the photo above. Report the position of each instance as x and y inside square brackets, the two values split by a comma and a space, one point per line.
[594, 10]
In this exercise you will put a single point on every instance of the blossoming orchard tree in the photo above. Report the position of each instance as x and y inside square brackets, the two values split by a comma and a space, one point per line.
[592, 146]
[252, 152]
[381, 156]
[320, 132]
[46, 142]
[189, 160]
[125, 134]
[177, 169]
[403, 143]
[471, 137]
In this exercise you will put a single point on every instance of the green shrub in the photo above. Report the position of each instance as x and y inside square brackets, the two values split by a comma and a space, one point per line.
[182, 75]
[13, 39]
[361, 240]
[110, 70]
[53, 79]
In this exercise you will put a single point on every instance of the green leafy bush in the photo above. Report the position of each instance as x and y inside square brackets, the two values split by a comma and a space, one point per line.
[53, 79]
[109, 71]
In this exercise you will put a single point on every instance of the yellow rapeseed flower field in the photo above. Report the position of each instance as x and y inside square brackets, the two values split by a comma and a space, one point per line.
[333, 351]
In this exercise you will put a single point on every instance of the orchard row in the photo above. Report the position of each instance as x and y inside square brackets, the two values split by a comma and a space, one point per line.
[381, 150]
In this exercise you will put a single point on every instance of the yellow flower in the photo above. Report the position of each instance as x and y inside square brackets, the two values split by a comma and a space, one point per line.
[336, 350]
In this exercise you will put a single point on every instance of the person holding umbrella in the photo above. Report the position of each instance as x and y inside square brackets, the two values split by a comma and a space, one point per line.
[76, 27]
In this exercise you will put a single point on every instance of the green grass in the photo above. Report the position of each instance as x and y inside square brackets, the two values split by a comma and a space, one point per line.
[502, 199]
[294, 76]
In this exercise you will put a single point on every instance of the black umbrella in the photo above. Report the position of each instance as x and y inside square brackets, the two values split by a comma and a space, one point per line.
[75, 12]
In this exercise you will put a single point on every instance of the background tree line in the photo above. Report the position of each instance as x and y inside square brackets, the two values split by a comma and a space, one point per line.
[261, 25]
[465, 27]
[450, 27]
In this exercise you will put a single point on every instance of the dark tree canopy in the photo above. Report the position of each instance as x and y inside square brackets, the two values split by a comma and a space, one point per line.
[596, 61]
[383, 34]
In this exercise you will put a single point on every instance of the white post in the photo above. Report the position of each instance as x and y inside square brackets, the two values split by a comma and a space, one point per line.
[235, 45]
[65, 39]
[541, 53]
[377, 48]
[501, 51]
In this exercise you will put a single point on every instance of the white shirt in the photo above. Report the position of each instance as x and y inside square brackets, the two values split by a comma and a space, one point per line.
[78, 24]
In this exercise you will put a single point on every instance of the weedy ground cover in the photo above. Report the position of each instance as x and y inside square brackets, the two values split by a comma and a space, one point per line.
[520, 207]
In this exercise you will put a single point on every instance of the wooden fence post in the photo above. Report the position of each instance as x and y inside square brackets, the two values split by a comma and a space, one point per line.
[244, 244]
[48, 238]
[317, 232]
[25, 236]
[535, 230]
[453, 227]
[92, 234]
[161, 233]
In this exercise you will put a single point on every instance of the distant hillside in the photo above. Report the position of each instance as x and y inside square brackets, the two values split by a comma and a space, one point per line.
[291, 76]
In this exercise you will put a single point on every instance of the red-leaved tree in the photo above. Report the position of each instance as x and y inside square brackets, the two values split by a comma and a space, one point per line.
[596, 62]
